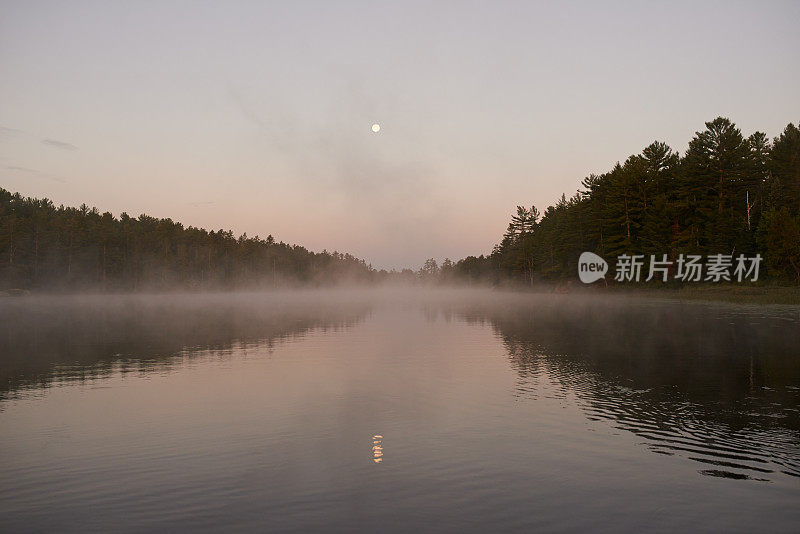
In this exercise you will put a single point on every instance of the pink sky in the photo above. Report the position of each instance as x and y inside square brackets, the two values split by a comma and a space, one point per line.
[258, 117]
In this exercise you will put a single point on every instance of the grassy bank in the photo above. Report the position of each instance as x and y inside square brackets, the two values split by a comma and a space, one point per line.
[727, 293]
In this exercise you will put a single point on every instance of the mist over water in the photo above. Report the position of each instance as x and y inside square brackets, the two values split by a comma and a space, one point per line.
[492, 411]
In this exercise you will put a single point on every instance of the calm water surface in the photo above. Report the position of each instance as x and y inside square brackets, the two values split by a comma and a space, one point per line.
[386, 412]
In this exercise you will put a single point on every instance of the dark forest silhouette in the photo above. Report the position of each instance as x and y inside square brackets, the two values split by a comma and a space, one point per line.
[728, 194]
[48, 247]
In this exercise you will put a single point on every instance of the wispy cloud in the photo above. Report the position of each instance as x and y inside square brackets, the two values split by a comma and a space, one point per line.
[59, 144]
[277, 125]
[245, 108]
[8, 133]
[337, 157]
[36, 174]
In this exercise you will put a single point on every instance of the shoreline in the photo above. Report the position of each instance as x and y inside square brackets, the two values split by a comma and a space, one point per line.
[760, 295]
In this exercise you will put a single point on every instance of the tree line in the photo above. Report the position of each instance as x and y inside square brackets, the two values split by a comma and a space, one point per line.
[728, 194]
[47, 247]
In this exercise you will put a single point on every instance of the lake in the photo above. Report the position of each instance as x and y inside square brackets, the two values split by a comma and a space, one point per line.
[397, 411]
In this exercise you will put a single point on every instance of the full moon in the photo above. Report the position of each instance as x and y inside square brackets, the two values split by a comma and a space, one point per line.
[376, 128]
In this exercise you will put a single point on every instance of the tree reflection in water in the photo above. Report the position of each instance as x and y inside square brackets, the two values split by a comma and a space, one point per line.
[716, 384]
[47, 341]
